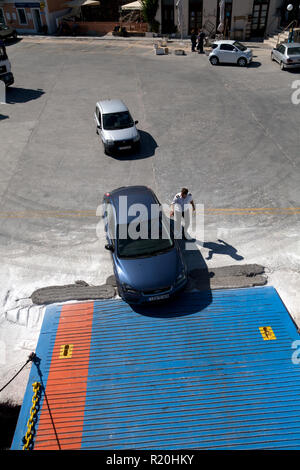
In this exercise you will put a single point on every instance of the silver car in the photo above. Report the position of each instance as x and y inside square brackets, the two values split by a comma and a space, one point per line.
[115, 126]
[230, 52]
[287, 55]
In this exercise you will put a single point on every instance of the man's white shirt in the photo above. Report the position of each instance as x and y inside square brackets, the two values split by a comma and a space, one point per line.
[182, 204]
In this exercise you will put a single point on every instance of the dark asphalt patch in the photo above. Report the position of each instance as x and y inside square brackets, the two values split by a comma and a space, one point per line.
[224, 277]
[77, 291]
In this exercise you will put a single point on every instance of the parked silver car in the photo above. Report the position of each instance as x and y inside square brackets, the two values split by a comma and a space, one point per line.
[230, 52]
[287, 55]
[115, 126]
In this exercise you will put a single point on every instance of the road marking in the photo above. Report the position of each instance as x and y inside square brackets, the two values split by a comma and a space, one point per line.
[66, 351]
[267, 333]
[92, 213]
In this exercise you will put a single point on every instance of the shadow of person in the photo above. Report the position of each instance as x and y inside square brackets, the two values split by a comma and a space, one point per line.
[22, 95]
[3, 116]
[221, 248]
[188, 301]
[146, 149]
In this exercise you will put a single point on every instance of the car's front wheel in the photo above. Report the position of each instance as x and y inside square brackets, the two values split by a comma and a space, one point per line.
[242, 62]
[282, 67]
[214, 60]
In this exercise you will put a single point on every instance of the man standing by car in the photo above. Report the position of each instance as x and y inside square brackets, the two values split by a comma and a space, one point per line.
[180, 207]
[200, 39]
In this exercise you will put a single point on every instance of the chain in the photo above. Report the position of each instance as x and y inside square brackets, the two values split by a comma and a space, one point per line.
[28, 438]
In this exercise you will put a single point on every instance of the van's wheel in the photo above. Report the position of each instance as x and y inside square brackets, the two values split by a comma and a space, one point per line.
[214, 60]
[272, 57]
[242, 62]
[282, 67]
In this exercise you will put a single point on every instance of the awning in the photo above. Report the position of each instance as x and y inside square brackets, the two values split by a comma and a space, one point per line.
[81, 3]
[132, 6]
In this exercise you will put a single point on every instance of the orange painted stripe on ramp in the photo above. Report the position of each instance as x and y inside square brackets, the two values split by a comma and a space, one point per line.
[61, 418]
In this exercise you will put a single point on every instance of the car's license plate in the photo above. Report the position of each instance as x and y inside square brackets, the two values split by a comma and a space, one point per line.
[159, 297]
[125, 147]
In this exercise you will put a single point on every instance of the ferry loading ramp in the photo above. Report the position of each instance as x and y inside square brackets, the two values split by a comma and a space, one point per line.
[206, 371]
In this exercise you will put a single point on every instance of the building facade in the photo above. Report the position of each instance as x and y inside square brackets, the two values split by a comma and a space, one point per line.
[243, 19]
[32, 17]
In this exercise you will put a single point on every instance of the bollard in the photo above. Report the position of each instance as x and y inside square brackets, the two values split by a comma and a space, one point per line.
[2, 92]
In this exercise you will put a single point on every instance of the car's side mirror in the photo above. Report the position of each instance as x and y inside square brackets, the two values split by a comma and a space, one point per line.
[136, 122]
[109, 247]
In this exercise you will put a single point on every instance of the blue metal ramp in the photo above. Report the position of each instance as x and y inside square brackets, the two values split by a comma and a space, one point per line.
[207, 371]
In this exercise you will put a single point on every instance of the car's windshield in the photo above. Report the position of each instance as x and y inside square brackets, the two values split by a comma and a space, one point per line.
[114, 121]
[240, 46]
[158, 240]
[293, 51]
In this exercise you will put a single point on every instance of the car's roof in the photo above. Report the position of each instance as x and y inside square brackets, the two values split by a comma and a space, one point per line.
[135, 195]
[112, 106]
[224, 41]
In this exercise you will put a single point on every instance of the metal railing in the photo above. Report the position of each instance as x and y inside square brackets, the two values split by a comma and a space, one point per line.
[291, 25]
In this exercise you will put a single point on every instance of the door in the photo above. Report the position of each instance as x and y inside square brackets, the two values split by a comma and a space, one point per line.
[37, 20]
[288, 16]
[195, 15]
[167, 17]
[259, 18]
[228, 53]
[227, 18]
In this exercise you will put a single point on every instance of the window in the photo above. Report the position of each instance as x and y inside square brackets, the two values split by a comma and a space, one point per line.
[98, 114]
[281, 49]
[22, 16]
[226, 47]
[2, 20]
[293, 51]
[114, 121]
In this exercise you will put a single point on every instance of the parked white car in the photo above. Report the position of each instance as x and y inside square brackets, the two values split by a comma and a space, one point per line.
[115, 126]
[287, 55]
[230, 52]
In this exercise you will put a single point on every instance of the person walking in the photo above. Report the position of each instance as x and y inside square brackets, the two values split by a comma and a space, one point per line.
[200, 41]
[180, 208]
[193, 40]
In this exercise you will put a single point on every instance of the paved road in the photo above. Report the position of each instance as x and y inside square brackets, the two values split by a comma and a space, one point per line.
[230, 134]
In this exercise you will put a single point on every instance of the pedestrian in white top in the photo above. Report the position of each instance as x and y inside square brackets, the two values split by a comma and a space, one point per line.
[180, 207]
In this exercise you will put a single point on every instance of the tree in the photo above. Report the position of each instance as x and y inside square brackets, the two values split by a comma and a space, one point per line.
[149, 10]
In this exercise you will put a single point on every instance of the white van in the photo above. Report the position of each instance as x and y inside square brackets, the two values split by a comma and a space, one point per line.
[115, 126]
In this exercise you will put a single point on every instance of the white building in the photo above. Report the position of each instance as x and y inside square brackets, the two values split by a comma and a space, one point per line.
[243, 19]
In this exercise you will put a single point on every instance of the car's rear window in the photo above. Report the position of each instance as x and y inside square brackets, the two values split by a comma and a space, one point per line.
[114, 121]
[293, 51]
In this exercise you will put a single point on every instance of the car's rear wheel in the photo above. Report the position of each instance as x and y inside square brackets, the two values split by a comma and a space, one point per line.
[242, 62]
[214, 60]
[282, 67]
